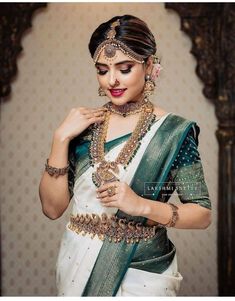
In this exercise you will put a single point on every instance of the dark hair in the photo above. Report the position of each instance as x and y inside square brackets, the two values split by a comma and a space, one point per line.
[132, 31]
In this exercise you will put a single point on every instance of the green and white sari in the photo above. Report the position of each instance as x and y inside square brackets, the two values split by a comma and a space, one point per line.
[87, 266]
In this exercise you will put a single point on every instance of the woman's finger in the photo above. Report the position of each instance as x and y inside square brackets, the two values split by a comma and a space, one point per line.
[110, 204]
[95, 114]
[92, 110]
[107, 185]
[104, 194]
[108, 199]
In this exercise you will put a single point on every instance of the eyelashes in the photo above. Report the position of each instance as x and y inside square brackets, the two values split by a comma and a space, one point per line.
[123, 71]
[100, 72]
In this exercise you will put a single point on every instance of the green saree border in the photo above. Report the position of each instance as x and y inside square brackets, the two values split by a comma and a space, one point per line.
[101, 282]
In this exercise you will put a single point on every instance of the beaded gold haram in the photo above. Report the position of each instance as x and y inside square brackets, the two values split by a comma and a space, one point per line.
[107, 171]
[110, 45]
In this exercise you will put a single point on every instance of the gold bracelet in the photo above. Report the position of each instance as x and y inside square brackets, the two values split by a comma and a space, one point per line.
[54, 171]
[174, 217]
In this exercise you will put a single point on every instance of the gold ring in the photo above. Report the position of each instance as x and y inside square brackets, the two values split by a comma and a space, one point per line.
[111, 190]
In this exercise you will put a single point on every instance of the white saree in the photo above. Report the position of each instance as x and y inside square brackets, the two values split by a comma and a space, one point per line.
[78, 253]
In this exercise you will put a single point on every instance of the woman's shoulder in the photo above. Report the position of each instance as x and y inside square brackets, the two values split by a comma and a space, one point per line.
[193, 127]
[159, 112]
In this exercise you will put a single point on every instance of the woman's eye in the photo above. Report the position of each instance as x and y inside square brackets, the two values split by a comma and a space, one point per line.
[101, 72]
[126, 70]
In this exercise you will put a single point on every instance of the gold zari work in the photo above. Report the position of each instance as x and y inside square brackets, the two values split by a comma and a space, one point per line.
[112, 227]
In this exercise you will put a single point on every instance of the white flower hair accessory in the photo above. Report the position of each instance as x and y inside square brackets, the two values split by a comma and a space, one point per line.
[157, 67]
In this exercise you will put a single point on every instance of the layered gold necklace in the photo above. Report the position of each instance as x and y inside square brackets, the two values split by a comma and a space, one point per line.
[107, 171]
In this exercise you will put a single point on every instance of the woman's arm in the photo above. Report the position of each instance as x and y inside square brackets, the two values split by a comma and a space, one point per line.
[188, 178]
[191, 216]
[54, 192]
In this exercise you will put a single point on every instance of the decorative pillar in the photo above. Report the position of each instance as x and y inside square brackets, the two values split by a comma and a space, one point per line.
[211, 26]
[15, 18]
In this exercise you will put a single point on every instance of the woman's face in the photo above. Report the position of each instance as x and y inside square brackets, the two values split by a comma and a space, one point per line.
[122, 79]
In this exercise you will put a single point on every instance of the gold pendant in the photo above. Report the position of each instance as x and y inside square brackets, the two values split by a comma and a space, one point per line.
[105, 173]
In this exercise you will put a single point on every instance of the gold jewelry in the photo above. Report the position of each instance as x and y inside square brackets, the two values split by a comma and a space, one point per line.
[116, 83]
[149, 86]
[107, 171]
[54, 171]
[101, 92]
[174, 217]
[126, 109]
[110, 44]
[112, 227]
[111, 190]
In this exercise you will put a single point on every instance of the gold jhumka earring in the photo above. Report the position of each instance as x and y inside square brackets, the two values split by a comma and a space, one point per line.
[149, 86]
[101, 92]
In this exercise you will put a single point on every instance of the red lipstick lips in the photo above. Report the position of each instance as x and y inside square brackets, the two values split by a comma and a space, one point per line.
[117, 92]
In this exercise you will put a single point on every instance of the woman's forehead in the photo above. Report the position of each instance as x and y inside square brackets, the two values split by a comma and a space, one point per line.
[119, 57]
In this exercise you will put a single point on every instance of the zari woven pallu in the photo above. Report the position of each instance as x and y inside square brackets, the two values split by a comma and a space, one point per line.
[91, 262]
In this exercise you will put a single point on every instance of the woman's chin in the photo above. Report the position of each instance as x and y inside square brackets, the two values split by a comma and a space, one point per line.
[120, 101]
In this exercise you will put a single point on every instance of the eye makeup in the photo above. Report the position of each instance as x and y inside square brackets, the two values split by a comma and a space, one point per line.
[101, 72]
[124, 70]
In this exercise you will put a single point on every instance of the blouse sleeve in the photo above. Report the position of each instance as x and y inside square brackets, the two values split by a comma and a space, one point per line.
[75, 152]
[187, 172]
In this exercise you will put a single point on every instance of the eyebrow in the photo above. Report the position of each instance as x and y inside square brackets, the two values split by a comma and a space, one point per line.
[117, 64]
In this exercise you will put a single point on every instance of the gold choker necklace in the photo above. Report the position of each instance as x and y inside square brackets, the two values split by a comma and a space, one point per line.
[126, 109]
[107, 171]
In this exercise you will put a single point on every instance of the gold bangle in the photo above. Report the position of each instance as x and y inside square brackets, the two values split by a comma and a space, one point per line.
[174, 217]
[54, 171]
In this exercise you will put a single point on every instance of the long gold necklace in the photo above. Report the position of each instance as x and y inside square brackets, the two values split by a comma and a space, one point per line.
[107, 171]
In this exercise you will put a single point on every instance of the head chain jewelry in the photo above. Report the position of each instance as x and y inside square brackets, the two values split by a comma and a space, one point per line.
[110, 45]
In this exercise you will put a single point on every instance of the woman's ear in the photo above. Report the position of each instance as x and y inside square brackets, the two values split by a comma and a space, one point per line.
[149, 65]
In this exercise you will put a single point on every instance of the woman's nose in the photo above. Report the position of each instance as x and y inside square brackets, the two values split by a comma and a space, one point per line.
[113, 82]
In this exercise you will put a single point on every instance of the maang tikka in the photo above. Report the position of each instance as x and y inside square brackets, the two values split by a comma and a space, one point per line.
[111, 44]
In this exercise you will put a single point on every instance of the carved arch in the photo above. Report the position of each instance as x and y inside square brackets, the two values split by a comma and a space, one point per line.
[211, 28]
[15, 19]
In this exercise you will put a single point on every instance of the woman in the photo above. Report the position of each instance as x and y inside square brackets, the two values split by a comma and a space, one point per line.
[120, 163]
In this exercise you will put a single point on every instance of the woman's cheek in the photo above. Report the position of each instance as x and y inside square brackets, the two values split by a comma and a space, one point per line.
[101, 81]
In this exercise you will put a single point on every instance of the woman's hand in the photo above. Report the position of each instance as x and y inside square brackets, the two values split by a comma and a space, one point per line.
[124, 198]
[78, 120]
